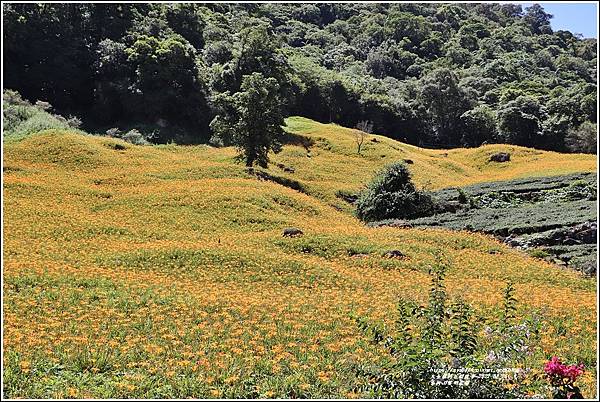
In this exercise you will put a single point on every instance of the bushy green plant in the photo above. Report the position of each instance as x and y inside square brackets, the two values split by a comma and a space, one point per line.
[15, 109]
[538, 253]
[21, 118]
[436, 351]
[13, 98]
[392, 194]
[463, 198]
[15, 115]
[134, 137]
[37, 122]
[74, 122]
[498, 199]
[583, 138]
[581, 189]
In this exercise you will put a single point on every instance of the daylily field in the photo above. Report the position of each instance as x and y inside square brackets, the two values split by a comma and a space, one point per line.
[161, 271]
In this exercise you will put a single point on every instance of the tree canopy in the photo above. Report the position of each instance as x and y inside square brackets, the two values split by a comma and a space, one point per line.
[250, 119]
[433, 74]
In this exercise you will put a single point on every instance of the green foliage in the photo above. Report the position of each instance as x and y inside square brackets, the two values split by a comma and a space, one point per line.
[479, 126]
[583, 138]
[164, 83]
[390, 59]
[578, 190]
[429, 74]
[187, 20]
[22, 118]
[444, 338]
[538, 253]
[463, 198]
[254, 50]
[35, 122]
[392, 194]
[520, 120]
[508, 306]
[445, 102]
[251, 119]
[327, 246]
[538, 19]
[134, 137]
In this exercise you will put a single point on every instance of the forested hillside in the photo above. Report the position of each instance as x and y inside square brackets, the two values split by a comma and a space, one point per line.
[427, 74]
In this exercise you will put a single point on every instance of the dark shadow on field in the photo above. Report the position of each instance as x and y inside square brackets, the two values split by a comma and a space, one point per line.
[284, 181]
[299, 140]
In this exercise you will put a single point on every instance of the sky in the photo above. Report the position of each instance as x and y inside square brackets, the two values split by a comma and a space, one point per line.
[575, 17]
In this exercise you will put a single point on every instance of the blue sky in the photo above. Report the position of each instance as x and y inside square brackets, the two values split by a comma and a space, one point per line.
[572, 16]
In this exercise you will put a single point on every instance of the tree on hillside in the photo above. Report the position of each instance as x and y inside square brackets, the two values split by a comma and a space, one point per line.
[250, 119]
[445, 101]
[538, 19]
[479, 126]
[520, 120]
[362, 129]
[583, 139]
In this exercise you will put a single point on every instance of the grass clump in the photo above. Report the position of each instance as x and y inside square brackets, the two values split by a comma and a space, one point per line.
[538, 253]
[328, 246]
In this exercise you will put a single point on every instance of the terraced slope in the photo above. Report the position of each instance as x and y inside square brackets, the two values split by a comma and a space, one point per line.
[550, 217]
[161, 271]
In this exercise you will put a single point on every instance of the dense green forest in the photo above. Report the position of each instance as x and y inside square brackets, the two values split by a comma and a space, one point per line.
[428, 74]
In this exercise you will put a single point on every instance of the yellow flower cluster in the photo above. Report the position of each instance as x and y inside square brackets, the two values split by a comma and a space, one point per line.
[161, 272]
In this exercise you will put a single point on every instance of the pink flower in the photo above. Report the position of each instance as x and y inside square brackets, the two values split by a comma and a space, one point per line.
[554, 366]
[559, 372]
[572, 372]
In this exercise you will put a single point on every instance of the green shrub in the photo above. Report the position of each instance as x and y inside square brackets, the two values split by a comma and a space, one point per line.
[447, 338]
[392, 194]
[462, 196]
[39, 121]
[15, 110]
[538, 253]
[579, 190]
[74, 122]
[21, 118]
[13, 98]
[134, 137]
[15, 115]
